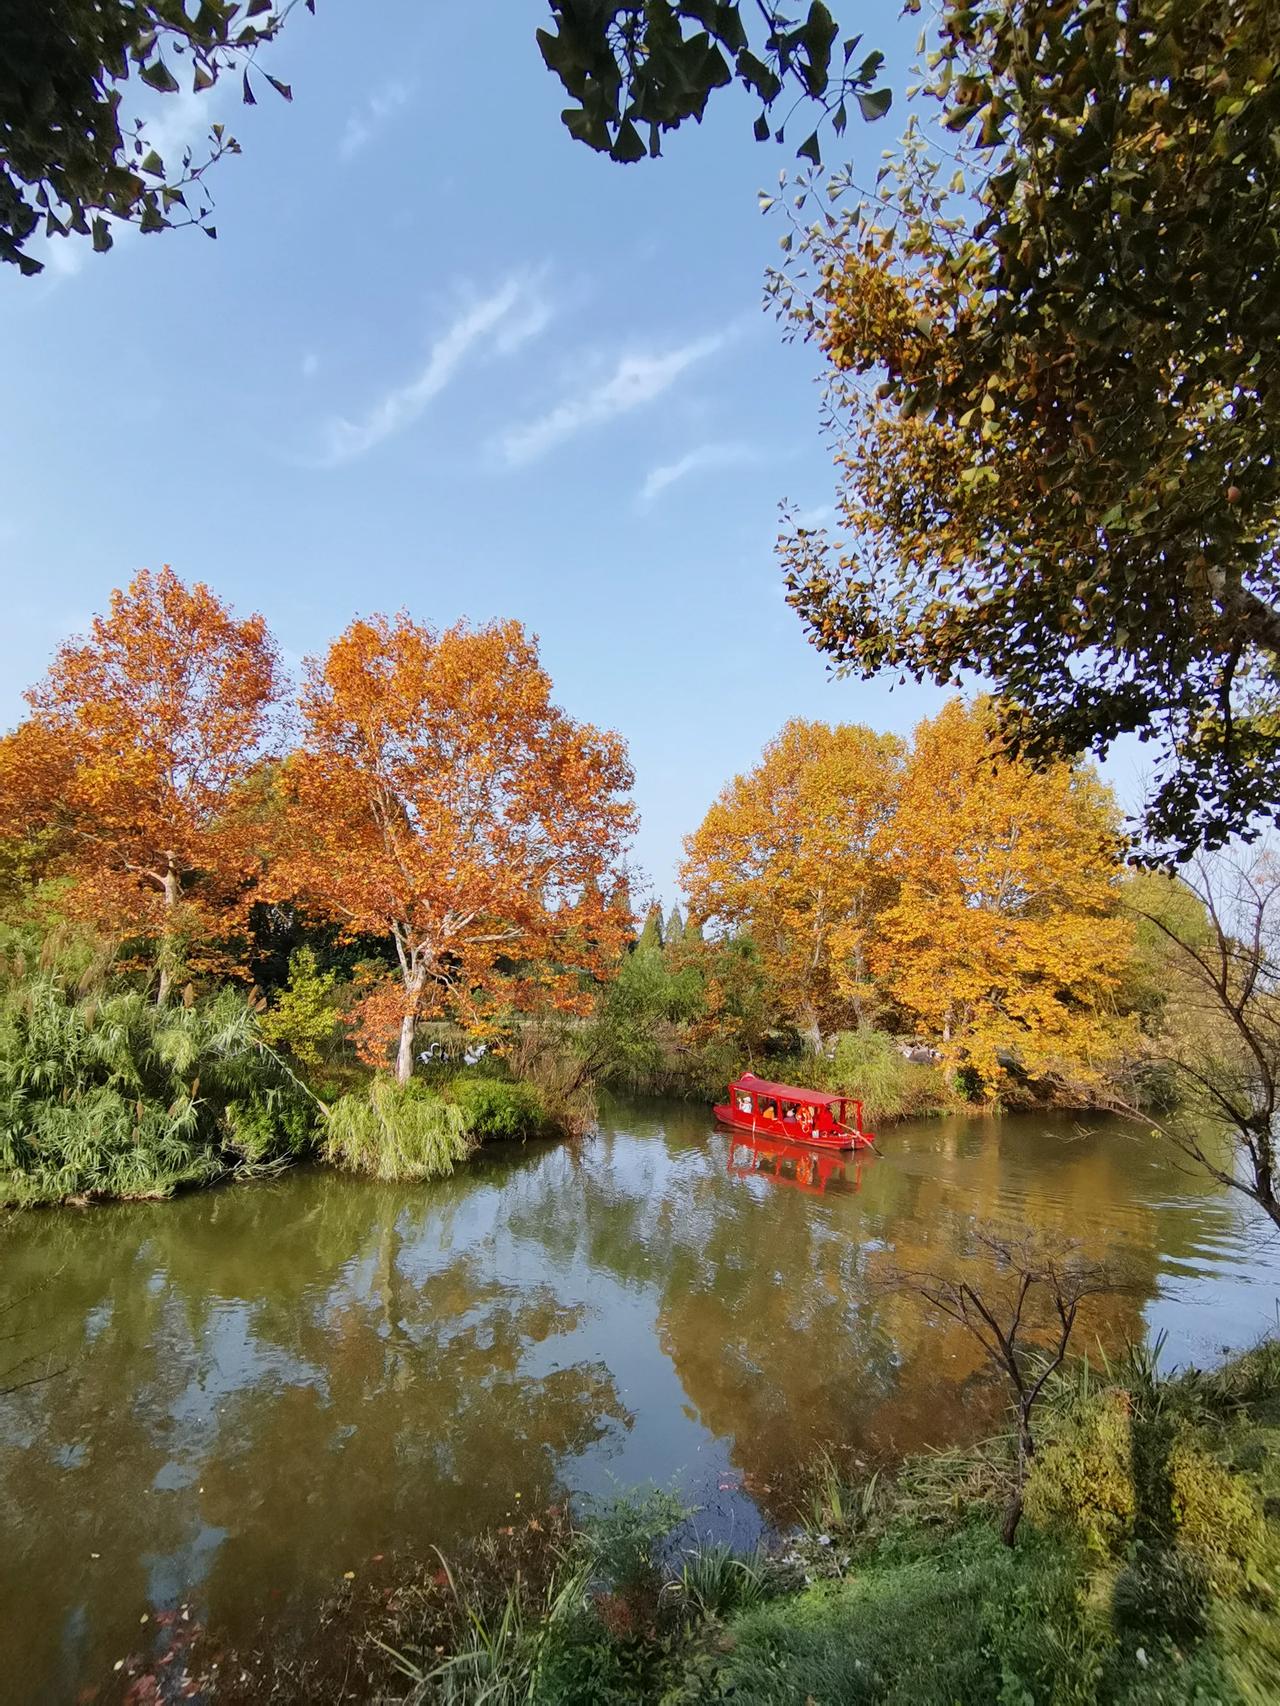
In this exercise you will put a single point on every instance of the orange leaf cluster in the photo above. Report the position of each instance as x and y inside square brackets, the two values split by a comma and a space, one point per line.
[440, 799]
[143, 735]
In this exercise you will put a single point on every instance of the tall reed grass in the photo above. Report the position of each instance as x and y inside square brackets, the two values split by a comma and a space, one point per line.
[104, 1094]
[397, 1131]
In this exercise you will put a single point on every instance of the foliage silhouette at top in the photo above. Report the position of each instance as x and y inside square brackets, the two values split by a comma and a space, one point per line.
[70, 162]
[1055, 375]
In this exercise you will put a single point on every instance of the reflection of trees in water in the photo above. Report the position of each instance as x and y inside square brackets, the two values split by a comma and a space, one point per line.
[223, 1364]
[345, 1365]
[773, 1316]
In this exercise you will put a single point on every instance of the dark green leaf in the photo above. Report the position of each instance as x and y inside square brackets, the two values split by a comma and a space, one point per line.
[628, 147]
[158, 76]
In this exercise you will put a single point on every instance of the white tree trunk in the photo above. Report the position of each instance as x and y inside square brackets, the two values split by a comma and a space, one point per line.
[404, 1054]
[413, 986]
[172, 894]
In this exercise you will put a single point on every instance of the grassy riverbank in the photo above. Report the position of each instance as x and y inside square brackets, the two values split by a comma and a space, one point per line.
[1145, 1573]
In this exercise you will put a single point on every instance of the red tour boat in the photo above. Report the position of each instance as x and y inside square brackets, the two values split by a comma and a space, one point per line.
[798, 1116]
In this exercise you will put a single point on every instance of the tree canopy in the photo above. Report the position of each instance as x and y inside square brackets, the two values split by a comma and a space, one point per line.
[936, 887]
[441, 799]
[1053, 328]
[1005, 937]
[72, 161]
[144, 735]
[791, 854]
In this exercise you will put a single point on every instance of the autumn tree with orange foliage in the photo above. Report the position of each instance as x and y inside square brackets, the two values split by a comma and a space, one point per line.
[142, 738]
[441, 800]
[791, 855]
[1005, 937]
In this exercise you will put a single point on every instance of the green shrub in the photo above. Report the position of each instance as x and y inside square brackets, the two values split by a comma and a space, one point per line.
[1081, 1482]
[269, 1117]
[108, 1095]
[869, 1064]
[396, 1131]
[968, 1083]
[1216, 1519]
[494, 1108]
[304, 1017]
[714, 1580]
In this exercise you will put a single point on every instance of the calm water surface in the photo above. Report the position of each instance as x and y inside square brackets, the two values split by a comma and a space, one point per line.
[270, 1385]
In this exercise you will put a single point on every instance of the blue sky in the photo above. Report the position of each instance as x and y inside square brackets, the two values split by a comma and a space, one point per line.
[443, 358]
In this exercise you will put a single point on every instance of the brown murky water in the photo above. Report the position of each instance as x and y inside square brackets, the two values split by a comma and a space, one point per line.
[267, 1386]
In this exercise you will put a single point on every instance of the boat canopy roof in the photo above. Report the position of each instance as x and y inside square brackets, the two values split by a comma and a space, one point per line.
[787, 1092]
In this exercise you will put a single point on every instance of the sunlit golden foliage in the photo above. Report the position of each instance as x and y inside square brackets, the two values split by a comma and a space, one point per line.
[1005, 937]
[792, 855]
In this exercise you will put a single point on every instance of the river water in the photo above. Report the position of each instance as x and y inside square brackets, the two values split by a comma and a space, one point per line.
[267, 1386]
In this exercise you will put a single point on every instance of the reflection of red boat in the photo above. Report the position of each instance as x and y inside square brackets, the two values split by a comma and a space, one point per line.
[795, 1164]
[796, 1116]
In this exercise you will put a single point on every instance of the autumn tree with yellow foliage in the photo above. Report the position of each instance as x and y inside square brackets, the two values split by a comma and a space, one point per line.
[941, 889]
[791, 854]
[1005, 938]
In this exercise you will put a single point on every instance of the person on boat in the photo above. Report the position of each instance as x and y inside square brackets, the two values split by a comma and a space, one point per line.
[804, 1116]
[769, 1111]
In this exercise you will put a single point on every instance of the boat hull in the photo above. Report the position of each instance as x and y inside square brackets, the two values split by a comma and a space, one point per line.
[788, 1131]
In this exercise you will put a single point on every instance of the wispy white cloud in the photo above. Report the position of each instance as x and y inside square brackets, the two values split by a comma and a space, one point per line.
[634, 381]
[818, 516]
[378, 111]
[498, 323]
[706, 459]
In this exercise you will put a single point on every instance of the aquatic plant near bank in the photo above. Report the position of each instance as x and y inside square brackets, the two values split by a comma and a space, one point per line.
[498, 1108]
[396, 1131]
[104, 1094]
